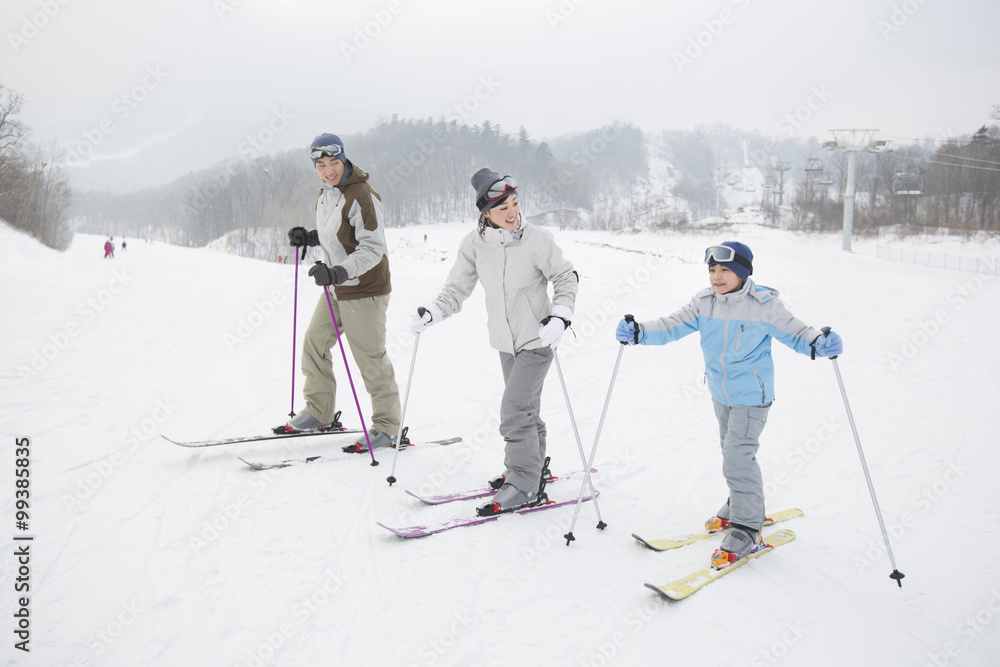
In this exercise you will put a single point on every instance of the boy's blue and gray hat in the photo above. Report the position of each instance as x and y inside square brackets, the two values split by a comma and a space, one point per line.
[327, 145]
[742, 262]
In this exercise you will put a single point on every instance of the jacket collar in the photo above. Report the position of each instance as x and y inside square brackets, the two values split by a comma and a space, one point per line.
[739, 295]
[356, 175]
[502, 236]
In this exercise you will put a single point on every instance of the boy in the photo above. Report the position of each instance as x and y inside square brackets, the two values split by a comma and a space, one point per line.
[737, 320]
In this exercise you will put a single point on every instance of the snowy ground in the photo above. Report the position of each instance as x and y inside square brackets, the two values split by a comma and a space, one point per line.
[145, 553]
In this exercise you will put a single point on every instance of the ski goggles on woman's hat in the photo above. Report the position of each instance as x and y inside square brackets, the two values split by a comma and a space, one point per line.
[318, 152]
[723, 254]
[501, 188]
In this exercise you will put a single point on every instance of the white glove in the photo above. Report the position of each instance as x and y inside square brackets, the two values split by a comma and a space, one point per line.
[430, 316]
[552, 332]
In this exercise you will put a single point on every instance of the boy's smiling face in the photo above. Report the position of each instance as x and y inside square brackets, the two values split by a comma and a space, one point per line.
[723, 280]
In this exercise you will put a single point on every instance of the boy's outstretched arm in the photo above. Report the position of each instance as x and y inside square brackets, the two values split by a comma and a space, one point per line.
[671, 327]
[792, 331]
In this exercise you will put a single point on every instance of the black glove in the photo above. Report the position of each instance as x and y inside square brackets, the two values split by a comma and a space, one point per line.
[298, 237]
[324, 275]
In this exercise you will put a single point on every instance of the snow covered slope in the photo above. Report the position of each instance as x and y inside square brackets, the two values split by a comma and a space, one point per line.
[145, 553]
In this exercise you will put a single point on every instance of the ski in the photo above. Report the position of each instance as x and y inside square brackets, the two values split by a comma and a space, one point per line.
[482, 492]
[685, 586]
[261, 438]
[277, 433]
[666, 543]
[324, 458]
[461, 522]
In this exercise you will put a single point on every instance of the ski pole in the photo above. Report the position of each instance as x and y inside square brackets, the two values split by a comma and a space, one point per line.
[336, 329]
[593, 450]
[579, 444]
[406, 397]
[295, 321]
[896, 574]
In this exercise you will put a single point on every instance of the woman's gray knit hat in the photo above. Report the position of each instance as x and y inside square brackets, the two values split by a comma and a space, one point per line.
[481, 181]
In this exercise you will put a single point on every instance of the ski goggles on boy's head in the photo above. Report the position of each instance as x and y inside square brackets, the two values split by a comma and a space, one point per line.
[501, 188]
[723, 254]
[318, 152]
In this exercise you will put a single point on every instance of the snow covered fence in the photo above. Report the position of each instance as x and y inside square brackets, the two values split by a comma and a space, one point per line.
[940, 260]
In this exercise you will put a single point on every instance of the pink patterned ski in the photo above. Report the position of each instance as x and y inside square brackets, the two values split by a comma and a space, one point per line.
[461, 522]
[472, 494]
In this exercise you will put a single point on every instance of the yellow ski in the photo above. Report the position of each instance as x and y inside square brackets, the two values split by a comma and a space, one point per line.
[685, 586]
[666, 543]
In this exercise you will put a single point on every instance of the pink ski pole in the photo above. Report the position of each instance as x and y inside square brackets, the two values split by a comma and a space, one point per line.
[336, 329]
[295, 318]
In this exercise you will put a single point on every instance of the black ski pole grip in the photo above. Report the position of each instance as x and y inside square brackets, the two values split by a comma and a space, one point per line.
[421, 310]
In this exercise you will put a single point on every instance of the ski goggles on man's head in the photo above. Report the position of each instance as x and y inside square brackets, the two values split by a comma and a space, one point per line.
[723, 254]
[318, 152]
[501, 188]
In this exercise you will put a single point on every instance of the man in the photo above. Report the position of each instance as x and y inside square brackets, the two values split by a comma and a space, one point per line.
[350, 232]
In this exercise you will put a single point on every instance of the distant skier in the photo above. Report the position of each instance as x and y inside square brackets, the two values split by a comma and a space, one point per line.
[109, 249]
[124, 245]
[351, 233]
[515, 263]
[737, 320]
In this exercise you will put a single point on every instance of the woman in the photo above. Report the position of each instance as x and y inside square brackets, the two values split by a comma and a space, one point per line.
[514, 262]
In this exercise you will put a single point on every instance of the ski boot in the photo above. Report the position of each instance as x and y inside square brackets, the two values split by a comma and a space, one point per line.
[739, 543]
[306, 422]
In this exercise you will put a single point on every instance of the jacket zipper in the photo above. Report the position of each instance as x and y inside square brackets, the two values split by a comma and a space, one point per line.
[738, 339]
[761, 385]
[722, 357]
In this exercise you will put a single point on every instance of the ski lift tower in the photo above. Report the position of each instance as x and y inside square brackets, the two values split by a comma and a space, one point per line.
[852, 141]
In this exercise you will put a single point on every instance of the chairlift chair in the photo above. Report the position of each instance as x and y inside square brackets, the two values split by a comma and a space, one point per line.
[907, 183]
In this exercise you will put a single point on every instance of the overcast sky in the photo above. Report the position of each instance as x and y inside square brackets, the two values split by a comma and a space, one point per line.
[139, 93]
